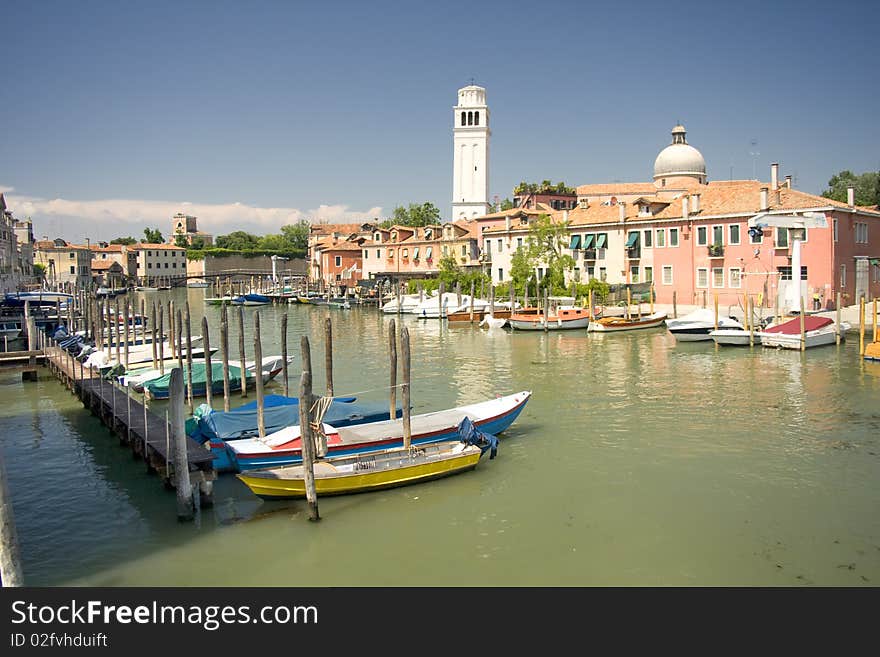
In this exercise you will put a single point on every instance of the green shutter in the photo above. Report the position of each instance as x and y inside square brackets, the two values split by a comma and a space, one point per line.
[601, 240]
[575, 242]
[631, 240]
[588, 241]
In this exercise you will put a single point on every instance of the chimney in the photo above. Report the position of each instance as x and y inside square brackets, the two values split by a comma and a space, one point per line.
[684, 207]
[695, 203]
[622, 207]
[765, 203]
[850, 195]
[584, 203]
[788, 182]
[507, 223]
[565, 216]
[774, 176]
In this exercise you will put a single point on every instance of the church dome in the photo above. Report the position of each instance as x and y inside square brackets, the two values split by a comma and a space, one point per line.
[680, 158]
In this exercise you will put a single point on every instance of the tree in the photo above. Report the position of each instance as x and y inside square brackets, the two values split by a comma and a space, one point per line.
[40, 272]
[867, 187]
[545, 246]
[152, 236]
[297, 235]
[180, 240]
[125, 241]
[507, 204]
[425, 214]
[237, 241]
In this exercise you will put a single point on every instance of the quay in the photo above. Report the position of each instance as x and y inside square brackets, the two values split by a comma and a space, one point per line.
[150, 436]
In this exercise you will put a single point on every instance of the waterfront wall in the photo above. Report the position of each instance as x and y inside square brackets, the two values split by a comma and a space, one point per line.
[212, 266]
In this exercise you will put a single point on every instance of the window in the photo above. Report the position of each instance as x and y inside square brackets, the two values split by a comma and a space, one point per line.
[717, 234]
[781, 238]
[861, 233]
[173, 265]
[476, 118]
[647, 239]
[500, 274]
[72, 269]
[464, 118]
[463, 250]
[734, 277]
[149, 265]
[366, 254]
[72, 256]
[576, 275]
[702, 235]
[149, 254]
[429, 252]
[487, 246]
[834, 225]
[632, 240]
[405, 253]
[445, 250]
[378, 253]
[733, 235]
[416, 253]
[519, 242]
[661, 238]
[166, 265]
[390, 253]
[634, 274]
[717, 276]
[500, 245]
[842, 276]
[667, 274]
[673, 237]
[649, 274]
[785, 273]
[575, 243]
[591, 273]
[603, 274]
[429, 233]
[601, 241]
[702, 277]
[338, 260]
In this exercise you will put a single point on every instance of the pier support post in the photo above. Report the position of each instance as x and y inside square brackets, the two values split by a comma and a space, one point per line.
[10, 556]
[328, 354]
[305, 427]
[185, 509]
[258, 375]
[189, 359]
[404, 347]
[209, 372]
[224, 348]
[838, 318]
[392, 361]
[241, 348]
[284, 373]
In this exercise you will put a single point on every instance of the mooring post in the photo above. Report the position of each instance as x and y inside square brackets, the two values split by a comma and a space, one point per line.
[209, 373]
[305, 428]
[241, 349]
[284, 374]
[161, 339]
[125, 319]
[328, 354]
[172, 338]
[224, 349]
[473, 290]
[440, 296]
[392, 361]
[803, 327]
[458, 293]
[715, 299]
[189, 358]
[861, 326]
[546, 307]
[405, 389]
[10, 556]
[182, 485]
[512, 298]
[116, 327]
[838, 318]
[258, 375]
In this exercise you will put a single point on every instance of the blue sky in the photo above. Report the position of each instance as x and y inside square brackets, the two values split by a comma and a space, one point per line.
[251, 115]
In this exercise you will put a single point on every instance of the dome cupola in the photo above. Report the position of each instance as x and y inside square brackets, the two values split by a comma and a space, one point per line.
[679, 159]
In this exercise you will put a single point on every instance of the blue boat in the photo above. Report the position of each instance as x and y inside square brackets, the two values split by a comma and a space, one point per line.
[216, 428]
[284, 447]
[251, 300]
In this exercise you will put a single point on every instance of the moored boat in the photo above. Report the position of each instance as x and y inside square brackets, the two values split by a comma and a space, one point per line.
[631, 323]
[818, 331]
[562, 314]
[696, 326]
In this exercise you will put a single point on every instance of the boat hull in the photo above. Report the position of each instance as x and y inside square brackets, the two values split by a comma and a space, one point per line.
[614, 324]
[734, 337]
[365, 472]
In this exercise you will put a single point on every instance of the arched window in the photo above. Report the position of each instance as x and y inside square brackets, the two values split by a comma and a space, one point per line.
[476, 118]
[470, 118]
[464, 118]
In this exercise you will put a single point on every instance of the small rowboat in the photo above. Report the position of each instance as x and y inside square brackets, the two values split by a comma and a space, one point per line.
[610, 324]
[389, 468]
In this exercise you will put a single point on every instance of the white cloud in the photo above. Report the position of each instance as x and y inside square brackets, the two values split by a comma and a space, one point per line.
[6, 190]
[114, 217]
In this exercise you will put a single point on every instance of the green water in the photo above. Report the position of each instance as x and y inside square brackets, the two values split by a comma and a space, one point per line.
[638, 461]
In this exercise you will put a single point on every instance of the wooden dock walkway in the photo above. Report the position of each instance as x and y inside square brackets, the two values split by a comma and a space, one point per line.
[146, 433]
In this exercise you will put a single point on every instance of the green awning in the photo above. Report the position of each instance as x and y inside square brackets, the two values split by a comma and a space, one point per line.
[588, 241]
[601, 240]
[631, 240]
[575, 242]
[875, 261]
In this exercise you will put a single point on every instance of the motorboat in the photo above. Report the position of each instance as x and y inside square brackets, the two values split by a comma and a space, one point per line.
[407, 303]
[698, 325]
[630, 323]
[818, 331]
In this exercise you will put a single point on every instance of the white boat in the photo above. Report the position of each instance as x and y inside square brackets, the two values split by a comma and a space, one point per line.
[493, 322]
[734, 336]
[697, 326]
[818, 331]
[430, 308]
[408, 303]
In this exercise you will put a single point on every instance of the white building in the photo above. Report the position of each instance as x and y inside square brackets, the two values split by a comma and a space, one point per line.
[470, 160]
[160, 263]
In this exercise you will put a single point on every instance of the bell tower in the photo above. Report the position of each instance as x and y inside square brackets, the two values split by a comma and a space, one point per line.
[470, 161]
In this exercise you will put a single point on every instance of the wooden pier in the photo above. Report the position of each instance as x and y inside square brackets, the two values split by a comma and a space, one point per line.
[149, 435]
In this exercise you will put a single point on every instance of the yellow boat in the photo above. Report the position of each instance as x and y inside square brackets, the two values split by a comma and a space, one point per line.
[360, 473]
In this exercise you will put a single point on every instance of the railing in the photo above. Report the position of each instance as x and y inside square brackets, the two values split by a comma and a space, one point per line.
[634, 252]
[589, 254]
[716, 251]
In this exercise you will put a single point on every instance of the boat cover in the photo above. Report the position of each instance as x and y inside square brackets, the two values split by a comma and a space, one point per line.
[793, 326]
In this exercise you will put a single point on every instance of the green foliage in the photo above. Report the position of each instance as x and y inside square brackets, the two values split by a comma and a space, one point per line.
[199, 254]
[237, 241]
[125, 241]
[544, 248]
[428, 285]
[545, 187]
[296, 235]
[180, 240]
[197, 243]
[451, 274]
[152, 236]
[39, 271]
[425, 214]
[867, 187]
[507, 204]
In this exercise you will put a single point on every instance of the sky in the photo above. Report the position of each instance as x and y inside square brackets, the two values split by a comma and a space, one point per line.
[250, 115]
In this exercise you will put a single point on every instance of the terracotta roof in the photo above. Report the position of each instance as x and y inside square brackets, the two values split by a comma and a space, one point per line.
[341, 246]
[110, 248]
[328, 229]
[616, 188]
[104, 264]
[156, 247]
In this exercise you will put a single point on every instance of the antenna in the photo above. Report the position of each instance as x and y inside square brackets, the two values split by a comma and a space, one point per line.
[754, 153]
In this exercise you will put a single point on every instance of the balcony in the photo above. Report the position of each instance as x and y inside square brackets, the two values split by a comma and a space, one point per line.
[634, 252]
[589, 254]
[716, 251]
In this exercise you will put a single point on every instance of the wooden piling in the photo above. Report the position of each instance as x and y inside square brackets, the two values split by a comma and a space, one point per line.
[751, 324]
[442, 289]
[715, 300]
[182, 485]
[172, 340]
[405, 388]
[258, 378]
[861, 326]
[125, 320]
[305, 428]
[838, 318]
[284, 375]
[874, 336]
[512, 298]
[458, 293]
[392, 363]
[546, 307]
[651, 292]
[628, 300]
[241, 348]
[161, 339]
[209, 378]
[674, 306]
[189, 358]
[224, 349]
[179, 347]
[471, 303]
[10, 554]
[803, 327]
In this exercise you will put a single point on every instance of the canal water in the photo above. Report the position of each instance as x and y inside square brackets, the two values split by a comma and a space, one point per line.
[637, 461]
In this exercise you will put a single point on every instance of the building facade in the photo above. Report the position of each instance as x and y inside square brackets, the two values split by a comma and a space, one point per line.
[67, 266]
[470, 159]
[158, 263]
